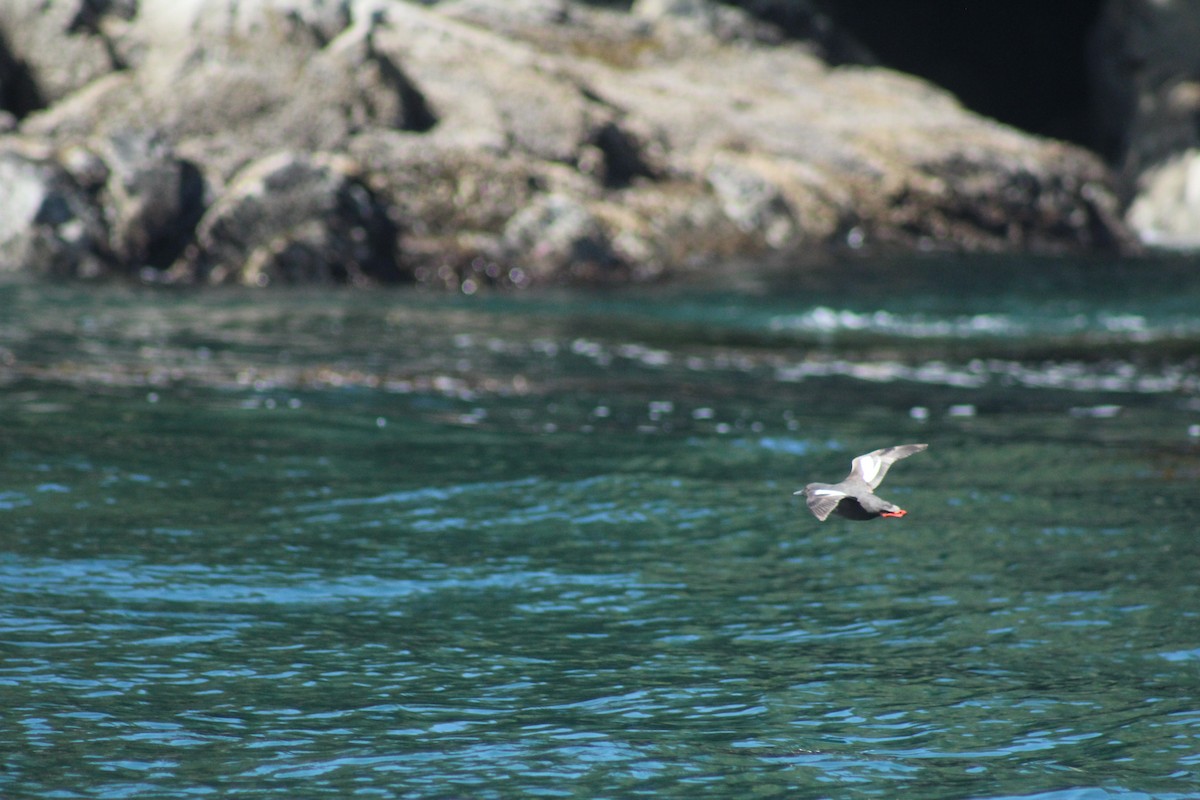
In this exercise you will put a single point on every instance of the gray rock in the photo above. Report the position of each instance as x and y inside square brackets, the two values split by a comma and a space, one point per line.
[1165, 210]
[48, 224]
[489, 91]
[152, 200]
[1145, 72]
[557, 230]
[294, 218]
[536, 141]
[705, 18]
[751, 196]
[807, 22]
[892, 162]
[1145, 69]
[61, 45]
[229, 82]
[122, 205]
[511, 15]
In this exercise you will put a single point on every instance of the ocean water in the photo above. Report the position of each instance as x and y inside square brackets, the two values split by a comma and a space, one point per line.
[401, 544]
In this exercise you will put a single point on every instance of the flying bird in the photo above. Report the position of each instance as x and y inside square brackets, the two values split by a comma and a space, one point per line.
[854, 497]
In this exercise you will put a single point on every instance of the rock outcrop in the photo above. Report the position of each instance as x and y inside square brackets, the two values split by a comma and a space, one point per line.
[509, 142]
[1146, 75]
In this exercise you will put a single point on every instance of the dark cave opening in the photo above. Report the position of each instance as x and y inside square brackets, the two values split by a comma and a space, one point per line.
[1021, 62]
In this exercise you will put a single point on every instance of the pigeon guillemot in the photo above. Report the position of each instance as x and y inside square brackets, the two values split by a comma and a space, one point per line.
[854, 498]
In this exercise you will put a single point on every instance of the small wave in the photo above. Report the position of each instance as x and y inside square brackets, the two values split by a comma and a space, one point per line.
[824, 320]
[1106, 377]
[131, 581]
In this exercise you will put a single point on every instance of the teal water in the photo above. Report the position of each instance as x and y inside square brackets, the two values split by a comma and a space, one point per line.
[340, 544]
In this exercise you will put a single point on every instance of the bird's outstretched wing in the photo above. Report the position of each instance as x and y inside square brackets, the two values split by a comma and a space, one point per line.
[873, 466]
[822, 502]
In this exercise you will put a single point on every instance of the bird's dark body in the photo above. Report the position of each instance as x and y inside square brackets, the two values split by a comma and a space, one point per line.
[852, 509]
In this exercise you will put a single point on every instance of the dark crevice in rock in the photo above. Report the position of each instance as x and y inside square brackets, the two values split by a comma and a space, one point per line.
[418, 117]
[623, 160]
[163, 252]
[372, 236]
[19, 93]
[89, 21]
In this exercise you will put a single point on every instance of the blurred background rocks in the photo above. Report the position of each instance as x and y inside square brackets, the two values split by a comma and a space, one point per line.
[516, 142]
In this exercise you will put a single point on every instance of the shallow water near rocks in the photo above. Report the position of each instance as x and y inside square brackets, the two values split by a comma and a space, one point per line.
[339, 544]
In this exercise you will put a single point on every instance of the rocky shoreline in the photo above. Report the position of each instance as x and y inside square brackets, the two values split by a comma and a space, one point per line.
[494, 142]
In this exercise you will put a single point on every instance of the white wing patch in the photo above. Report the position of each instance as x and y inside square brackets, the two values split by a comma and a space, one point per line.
[827, 493]
[869, 466]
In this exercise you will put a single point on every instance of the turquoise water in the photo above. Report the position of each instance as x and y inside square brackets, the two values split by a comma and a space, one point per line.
[340, 544]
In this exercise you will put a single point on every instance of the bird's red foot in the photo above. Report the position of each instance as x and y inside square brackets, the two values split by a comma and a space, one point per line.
[900, 513]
